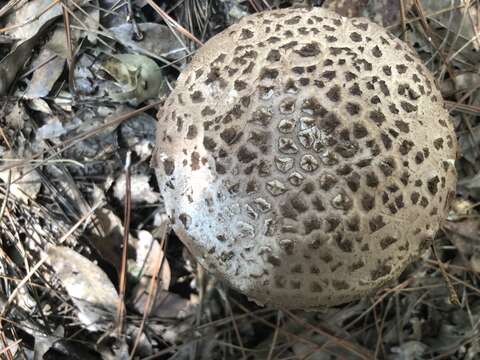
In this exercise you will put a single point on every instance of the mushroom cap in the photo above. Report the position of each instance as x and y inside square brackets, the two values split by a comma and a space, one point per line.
[305, 158]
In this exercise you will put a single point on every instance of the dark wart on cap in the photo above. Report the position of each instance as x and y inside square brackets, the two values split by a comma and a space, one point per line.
[305, 158]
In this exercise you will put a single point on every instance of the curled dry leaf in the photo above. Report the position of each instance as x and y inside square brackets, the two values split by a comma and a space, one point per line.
[151, 262]
[90, 289]
[39, 105]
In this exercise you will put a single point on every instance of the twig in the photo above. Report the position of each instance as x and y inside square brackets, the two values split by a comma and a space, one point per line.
[126, 230]
[131, 18]
[7, 194]
[453, 297]
[402, 18]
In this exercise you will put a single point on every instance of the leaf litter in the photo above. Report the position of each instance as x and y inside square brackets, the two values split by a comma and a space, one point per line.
[76, 184]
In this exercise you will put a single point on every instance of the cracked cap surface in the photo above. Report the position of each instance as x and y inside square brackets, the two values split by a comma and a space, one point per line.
[305, 158]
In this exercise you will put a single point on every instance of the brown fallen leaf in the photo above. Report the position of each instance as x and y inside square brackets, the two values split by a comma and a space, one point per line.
[90, 289]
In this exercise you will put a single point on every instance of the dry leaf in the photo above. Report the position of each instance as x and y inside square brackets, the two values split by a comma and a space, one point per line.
[158, 41]
[45, 76]
[29, 18]
[108, 237]
[90, 289]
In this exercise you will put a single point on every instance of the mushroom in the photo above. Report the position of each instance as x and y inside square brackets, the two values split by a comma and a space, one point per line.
[305, 158]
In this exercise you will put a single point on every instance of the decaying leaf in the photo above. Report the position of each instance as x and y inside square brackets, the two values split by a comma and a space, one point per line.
[90, 289]
[152, 265]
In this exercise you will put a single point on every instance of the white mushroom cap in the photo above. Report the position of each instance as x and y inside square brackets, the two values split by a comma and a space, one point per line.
[305, 158]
